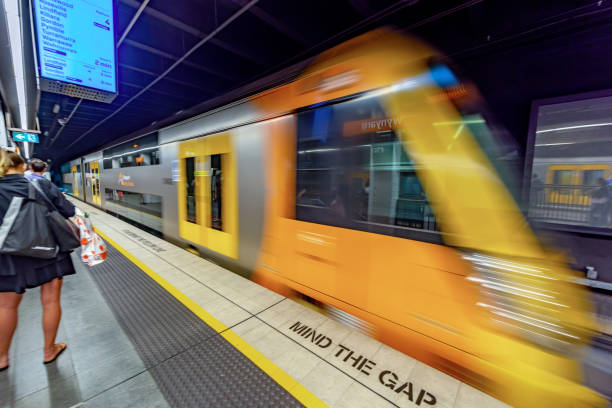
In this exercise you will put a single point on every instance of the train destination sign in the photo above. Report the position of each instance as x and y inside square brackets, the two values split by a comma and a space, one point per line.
[356, 362]
[76, 45]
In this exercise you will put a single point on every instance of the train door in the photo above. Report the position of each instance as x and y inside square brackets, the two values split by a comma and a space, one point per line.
[76, 179]
[95, 183]
[207, 194]
[88, 190]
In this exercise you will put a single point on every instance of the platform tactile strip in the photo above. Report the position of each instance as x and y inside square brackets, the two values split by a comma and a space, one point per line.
[192, 365]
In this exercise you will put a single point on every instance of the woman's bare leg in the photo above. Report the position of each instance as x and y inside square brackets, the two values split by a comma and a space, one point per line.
[52, 313]
[9, 303]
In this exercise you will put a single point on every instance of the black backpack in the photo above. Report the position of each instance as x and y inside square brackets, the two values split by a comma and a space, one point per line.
[25, 229]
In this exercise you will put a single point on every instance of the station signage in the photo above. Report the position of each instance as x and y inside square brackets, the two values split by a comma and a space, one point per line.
[354, 362]
[76, 43]
[25, 137]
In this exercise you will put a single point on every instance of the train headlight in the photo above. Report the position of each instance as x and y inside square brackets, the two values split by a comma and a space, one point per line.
[443, 76]
[522, 298]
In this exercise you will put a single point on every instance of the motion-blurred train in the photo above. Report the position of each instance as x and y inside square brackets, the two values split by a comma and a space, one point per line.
[371, 186]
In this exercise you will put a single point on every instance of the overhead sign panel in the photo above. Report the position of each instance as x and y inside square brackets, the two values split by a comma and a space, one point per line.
[76, 48]
[25, 137]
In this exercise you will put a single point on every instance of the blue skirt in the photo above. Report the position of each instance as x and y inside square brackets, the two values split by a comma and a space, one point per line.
[21, 273]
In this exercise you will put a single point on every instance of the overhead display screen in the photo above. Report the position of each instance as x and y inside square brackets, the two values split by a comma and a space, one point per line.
[76, 43]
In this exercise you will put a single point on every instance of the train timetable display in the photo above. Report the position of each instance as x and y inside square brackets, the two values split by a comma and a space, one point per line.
[76, 45]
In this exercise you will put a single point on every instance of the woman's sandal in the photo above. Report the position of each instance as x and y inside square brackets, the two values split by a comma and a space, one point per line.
[4, 368]
[63, 346]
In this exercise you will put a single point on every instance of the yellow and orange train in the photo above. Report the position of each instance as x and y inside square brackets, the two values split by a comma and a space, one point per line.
[369, 185]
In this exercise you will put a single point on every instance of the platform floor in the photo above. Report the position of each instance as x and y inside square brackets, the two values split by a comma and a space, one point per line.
[157, 326]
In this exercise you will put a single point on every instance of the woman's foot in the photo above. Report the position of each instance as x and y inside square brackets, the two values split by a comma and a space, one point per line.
[53, 354]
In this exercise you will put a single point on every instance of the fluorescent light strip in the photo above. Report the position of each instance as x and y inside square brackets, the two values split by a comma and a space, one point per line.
[460, 122]
[14, 24]
[130, 153]
[555, 144]
[574, 127]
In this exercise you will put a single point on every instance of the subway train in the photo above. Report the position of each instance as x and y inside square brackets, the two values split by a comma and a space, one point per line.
[371, 186]
[569, 173]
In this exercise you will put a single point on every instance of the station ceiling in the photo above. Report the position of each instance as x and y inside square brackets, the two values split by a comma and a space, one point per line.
[180, 58]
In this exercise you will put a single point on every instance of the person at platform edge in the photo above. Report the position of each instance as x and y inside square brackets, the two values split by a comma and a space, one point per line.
[38, 169]
[18, 273]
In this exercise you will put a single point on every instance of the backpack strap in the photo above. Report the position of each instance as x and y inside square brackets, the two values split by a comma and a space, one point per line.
[32, 192]
[9, 218]
[35, 184]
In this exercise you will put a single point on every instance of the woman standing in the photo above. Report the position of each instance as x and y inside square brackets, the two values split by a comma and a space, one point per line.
[18, 272]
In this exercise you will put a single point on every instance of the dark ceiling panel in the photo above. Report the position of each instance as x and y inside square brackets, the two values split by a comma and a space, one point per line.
[205, 15]
[221, 59]
[123, 17]
[182, 91]
[130, 54]
[315, 19]
[258, 34]
[200, 79]
[174, 41]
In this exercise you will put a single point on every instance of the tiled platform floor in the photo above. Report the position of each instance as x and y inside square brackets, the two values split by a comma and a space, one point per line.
[102, 368]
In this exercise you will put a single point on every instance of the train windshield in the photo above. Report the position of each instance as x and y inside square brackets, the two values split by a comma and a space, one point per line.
[354, 172]
[496, 143]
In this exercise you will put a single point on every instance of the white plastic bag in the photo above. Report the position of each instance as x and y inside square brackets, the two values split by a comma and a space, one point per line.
[93, 249]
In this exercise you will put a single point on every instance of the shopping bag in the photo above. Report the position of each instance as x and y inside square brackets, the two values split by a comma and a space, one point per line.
[93, 248]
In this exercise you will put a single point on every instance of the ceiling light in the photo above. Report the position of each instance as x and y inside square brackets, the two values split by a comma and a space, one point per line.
[14, 25]
[588, 125]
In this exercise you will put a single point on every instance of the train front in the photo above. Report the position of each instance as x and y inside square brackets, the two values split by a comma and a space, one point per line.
[526, 321]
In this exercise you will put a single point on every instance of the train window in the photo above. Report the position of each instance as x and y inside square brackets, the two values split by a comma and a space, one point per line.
[190, 189]
[88, 174]
[67, 178]
[144, 209]
[564, 177]
[590, 177]
[143, 151]
[354, 172]
[97, 181]
[216, 192]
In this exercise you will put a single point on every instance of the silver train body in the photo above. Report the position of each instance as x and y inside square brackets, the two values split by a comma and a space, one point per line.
[242, 122]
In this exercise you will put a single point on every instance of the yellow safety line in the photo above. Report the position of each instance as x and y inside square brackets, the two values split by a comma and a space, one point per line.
[299, 392]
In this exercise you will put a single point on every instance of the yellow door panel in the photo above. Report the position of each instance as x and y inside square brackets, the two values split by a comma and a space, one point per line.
[75, 182]
[95, 182]
[194, 194]
[190, 191]
[224, 241]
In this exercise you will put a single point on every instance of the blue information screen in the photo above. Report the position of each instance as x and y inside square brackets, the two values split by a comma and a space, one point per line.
[76, 42]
